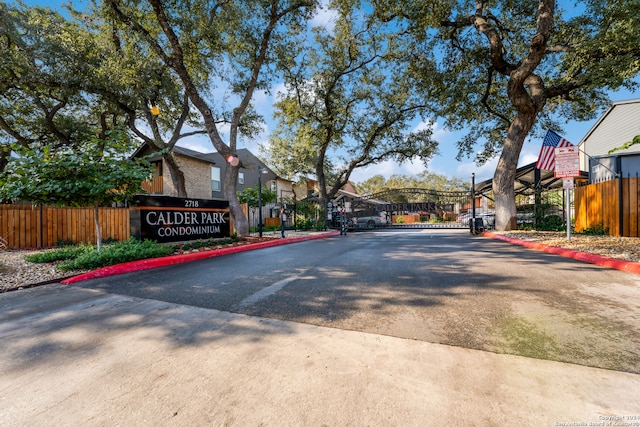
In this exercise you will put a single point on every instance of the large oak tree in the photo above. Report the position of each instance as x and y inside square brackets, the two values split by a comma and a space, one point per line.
[350, 102]
[68, 78]
[222, 52]
[504, 70]
[41, 56]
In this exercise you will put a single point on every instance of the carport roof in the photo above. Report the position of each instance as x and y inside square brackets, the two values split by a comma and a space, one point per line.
[525, 181]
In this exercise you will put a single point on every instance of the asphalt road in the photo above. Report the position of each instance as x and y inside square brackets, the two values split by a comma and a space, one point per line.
[439, 286]
[138, 349]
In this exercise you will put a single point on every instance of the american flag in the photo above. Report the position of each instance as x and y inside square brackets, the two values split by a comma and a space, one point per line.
[547, 156]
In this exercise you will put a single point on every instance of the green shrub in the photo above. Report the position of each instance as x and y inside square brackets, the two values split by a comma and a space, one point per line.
[271, 228]
[550, 223]
[196, 244]
[129, 250]
[87, 257]
[596, 230]
[60, 254]
[528, 226]
[306, 224]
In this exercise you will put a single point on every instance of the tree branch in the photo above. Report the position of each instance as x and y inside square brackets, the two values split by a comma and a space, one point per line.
[487, 94]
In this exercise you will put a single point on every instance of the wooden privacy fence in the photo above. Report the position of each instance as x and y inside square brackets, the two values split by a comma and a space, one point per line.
[153, 186]
[26, 226]
[612, 205]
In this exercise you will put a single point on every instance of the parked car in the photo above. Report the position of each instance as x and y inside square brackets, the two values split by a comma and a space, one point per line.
[464, 218]
[369, 222]
[488, 219]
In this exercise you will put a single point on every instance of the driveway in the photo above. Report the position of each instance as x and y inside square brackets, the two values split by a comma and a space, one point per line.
[435, 286]
[98, 355]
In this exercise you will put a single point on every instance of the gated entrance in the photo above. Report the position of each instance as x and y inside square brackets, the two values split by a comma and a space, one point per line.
[415, 208]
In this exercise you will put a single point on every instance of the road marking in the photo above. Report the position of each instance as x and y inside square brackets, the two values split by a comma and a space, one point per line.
[263, 293]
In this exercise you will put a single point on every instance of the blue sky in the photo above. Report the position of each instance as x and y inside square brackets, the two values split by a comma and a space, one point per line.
[444, 163]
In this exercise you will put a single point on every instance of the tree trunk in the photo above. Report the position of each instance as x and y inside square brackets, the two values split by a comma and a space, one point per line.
[322, 186]
[505, 175]
[240, 222]
[96, 220]
[4, 160]
[177, 176]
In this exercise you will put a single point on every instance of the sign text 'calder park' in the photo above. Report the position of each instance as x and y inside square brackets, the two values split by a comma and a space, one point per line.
[173, 219]
[407, 207]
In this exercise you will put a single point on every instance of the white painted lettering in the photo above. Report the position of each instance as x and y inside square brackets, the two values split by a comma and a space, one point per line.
[205, 218]
[150, 220]
[161, 219]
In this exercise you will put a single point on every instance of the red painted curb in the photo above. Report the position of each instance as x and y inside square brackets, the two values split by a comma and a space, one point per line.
[146, 264]
[616, 264]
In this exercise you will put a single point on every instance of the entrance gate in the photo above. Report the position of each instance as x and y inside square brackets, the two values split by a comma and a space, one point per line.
[415, 208]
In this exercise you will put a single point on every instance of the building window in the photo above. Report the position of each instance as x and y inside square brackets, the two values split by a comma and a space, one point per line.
[215, 178]
[240, 177]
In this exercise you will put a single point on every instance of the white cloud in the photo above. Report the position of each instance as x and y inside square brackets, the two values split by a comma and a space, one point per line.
[253, 144]
[202, 144]
[388, 168]
[413, 167]
[278, 90]
[527, 157]
[261, 98]
[324, 17]
[438, 130]
[484, 172]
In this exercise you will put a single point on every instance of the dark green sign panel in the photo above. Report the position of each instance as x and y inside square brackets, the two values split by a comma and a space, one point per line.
[174, 219]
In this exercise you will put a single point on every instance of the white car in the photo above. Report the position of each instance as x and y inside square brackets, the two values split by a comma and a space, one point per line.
[369, 222]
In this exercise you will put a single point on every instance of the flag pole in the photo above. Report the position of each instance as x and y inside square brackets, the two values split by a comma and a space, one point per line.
[568, 192]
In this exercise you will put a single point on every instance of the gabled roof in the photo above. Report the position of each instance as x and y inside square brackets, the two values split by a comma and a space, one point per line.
[249, 161]
[247, 158]
[525, 181]
[606, 114]
[205, 157]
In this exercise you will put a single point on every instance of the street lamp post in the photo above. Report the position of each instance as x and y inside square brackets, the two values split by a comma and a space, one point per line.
[261, 170]
[282, 210]
[473, 204]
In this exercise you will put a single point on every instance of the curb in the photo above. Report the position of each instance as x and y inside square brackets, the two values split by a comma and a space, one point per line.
[147, 264]
[617, 264]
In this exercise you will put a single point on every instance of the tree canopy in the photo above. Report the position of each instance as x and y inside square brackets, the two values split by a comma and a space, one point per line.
[221, 53]
[349, 103]
[95, 173]
[93, 81]
[253, 198]
[426, 180]
[46, 61]
[498, 72]
[506, 69]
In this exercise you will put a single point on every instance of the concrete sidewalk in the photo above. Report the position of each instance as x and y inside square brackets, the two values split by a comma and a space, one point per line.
[72, 356]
